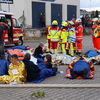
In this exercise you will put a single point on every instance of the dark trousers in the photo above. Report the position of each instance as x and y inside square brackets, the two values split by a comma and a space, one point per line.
[84, 74]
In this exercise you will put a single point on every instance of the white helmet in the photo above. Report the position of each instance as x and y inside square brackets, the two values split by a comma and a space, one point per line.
[78, 20]
[71, 22]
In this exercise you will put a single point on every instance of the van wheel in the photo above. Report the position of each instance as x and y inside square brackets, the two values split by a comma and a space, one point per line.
[20, 42]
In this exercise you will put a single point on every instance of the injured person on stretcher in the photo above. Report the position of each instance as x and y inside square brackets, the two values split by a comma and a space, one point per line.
[80, 69]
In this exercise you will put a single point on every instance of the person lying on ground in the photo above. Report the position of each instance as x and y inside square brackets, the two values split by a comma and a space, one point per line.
[80, 69]
[16, 72]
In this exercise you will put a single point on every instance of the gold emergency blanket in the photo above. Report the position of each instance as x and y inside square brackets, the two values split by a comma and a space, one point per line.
[16, 73]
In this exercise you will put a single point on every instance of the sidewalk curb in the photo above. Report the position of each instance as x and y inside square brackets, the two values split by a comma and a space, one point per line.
[50, 86]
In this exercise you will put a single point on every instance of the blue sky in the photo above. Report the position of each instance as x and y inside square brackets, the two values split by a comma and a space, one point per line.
[89, 3]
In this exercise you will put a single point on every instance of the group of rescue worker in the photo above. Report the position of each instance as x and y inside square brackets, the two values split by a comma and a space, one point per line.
[68, 38]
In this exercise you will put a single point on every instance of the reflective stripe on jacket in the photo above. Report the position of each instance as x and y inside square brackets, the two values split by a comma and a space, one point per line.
[55, 34]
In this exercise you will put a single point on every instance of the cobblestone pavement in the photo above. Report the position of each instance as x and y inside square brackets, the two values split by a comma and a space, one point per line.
[57, 93]
[51, 93]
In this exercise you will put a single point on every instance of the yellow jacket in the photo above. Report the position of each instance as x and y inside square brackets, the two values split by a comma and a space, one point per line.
[17, 73]
[64, 36]
[55, 34]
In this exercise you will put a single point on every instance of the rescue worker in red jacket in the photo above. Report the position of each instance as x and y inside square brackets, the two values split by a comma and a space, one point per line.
[93, 28]
[97, 37]
[64, 37]
[54, 32]
[79, 36]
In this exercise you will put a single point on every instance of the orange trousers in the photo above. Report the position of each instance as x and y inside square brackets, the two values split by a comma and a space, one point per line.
[79, 45]
[94, 42]
[54, 44]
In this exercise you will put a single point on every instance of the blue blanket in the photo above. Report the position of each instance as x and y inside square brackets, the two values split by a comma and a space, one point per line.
[22, 47]
[91, 53]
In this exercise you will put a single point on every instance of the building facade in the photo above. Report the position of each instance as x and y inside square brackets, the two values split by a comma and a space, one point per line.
[38, 13]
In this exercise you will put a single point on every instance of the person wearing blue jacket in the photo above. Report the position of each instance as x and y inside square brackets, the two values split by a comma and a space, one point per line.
[3, 66]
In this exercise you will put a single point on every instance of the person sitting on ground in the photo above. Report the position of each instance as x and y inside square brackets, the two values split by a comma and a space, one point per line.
[16, 72]
[32, 69]
[80, 69]
[49, 65]
[39, 51]
[4, 65]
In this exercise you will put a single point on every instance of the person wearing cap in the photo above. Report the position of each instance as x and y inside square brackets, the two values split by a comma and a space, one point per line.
[72, 38]
[79, 36]
[97, 36]
[64, 36]
[54, 35]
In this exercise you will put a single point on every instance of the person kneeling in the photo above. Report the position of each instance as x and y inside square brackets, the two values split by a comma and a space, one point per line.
[80, 70]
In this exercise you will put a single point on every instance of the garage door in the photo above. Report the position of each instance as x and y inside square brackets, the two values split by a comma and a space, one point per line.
[71, 12]
[56, 12]
[38, 14]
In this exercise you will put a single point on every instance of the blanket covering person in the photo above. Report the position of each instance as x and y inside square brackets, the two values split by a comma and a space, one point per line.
[80, 69]
[16, 72]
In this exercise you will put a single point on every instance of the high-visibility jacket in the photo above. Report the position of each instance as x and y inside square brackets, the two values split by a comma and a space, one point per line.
[72, 36]
[79, 32]
[97, 31]
[97, 38]
[54, 33]
[93, 27]
[64, 35]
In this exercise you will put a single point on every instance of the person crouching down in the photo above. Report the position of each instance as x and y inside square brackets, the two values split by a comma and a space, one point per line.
[16, 72]
[80, 70]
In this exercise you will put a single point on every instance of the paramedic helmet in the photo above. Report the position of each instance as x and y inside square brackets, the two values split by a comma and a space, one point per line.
[54, 22]
[64, 23]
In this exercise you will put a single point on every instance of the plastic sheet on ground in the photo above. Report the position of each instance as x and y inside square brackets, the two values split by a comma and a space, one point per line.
[62, 59]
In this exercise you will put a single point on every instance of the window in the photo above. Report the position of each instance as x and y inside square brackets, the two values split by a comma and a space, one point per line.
[16, 24]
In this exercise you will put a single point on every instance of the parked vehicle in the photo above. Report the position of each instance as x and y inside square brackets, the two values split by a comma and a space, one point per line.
[14, 34]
